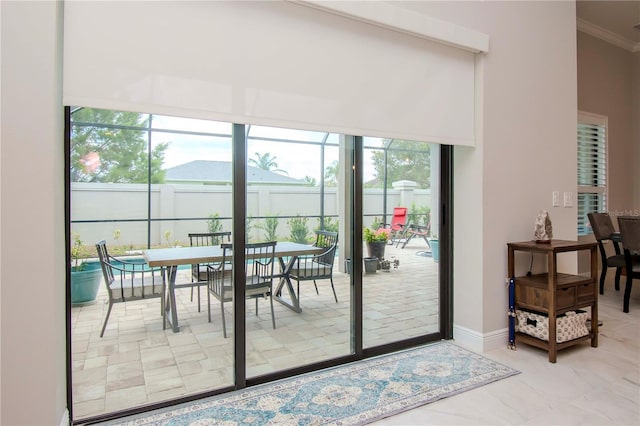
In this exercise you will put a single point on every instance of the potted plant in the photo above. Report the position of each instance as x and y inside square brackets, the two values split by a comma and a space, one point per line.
[376, 241]
[85, 274]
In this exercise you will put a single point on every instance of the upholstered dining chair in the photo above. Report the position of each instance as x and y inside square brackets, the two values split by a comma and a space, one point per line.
[630, 235]
[258, 274]
[127, 281]
[603, 230]
[319, 266]
[199, 271]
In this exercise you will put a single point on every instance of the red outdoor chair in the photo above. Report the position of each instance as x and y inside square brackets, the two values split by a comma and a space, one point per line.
[398, 222]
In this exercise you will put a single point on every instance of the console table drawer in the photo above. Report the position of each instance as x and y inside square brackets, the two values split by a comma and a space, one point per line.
[565, 298]
[586, 293]
[535, 297]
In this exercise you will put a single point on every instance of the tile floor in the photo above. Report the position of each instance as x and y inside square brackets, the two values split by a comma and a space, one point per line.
[138, 363]
[587, 386]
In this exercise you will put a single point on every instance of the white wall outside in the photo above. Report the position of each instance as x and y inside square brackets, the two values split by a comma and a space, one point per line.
[112, 201]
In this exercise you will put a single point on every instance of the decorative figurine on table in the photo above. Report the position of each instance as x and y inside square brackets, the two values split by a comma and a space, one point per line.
[543, 231]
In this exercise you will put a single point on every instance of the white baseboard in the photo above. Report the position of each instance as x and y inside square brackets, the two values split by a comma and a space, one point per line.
[65, 418]
[480, 342]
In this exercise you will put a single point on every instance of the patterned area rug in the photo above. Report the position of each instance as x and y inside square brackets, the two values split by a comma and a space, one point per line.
[352, 394]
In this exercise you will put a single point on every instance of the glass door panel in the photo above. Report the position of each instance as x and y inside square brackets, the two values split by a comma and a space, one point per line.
[288, 171]
[401, 278]
[140, 181]
[192, 201]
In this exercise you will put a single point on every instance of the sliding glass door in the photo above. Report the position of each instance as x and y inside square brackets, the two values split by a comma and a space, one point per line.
[147, 182]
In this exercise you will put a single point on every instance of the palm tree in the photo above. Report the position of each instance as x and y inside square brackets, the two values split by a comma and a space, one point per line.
[331, 174]
[311, 181]
[266, 162]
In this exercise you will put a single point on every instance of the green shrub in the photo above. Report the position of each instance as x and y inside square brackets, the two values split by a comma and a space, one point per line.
[299, 232]
[329, 225]
[419, 215]
[214, 224]
[270, 228]
[249, 227]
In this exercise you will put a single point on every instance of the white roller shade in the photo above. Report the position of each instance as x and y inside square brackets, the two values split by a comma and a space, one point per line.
[269, 63]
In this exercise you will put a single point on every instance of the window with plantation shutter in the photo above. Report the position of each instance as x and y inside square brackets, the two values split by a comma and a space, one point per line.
[592, 168]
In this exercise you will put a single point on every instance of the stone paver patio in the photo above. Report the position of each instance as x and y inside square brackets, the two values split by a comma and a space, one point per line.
[138, 363]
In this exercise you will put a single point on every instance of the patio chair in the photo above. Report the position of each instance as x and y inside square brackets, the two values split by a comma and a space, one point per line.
[630, 234]
[412, 231]
[603, 230]
[199, 271]
[397, 225]
[317, 267]
[127, 281]
[259, 263]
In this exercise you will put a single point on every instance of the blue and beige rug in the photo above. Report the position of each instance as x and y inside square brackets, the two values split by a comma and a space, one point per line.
[352, 394]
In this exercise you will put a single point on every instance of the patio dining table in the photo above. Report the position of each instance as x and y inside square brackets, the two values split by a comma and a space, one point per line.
[170, 258]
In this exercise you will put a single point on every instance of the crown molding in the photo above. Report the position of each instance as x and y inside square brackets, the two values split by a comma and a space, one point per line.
[606, 35]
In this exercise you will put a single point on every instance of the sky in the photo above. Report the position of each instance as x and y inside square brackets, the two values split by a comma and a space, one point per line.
[298, 160]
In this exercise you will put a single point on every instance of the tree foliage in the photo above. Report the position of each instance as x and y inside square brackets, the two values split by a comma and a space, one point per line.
[406, 160]
[310, 181]
[265, 162]
[331, 174]
[105, 152]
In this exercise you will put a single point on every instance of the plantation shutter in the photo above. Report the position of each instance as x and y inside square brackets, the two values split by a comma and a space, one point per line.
[592, 168]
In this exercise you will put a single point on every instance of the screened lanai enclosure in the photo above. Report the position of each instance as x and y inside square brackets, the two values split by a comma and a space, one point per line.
[144, 182]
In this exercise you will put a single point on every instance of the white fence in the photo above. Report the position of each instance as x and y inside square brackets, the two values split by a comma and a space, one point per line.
[125, 207]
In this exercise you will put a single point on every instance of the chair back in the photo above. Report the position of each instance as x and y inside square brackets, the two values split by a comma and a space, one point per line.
[399, 218]
[107, 271]
[602, 225]
[209, 238]
[328, 240]
[259, 262]
[219, 275]
[128, 279]
[630, 233]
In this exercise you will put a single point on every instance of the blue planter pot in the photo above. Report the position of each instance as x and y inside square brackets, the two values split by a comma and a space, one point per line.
[435, 250]
[370, 265]
[85, 283]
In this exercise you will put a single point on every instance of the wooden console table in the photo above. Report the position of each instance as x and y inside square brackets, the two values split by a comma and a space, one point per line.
[555, 293]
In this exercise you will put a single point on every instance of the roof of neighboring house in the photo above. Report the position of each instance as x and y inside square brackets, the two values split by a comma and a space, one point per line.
[219, 172]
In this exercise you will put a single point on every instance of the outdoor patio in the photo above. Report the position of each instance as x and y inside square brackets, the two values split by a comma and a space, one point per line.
[138, 363]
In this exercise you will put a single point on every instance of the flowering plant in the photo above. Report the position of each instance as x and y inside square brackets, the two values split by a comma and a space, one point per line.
[381, 235]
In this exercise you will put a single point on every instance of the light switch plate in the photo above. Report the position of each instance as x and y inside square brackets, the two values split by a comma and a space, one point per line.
[556, 199]
[568, 199]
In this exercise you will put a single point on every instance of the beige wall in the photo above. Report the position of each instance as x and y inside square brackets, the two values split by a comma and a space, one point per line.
[609, 85]
[606, 83]
[32, 276]
[635, 80]
[526, 150]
